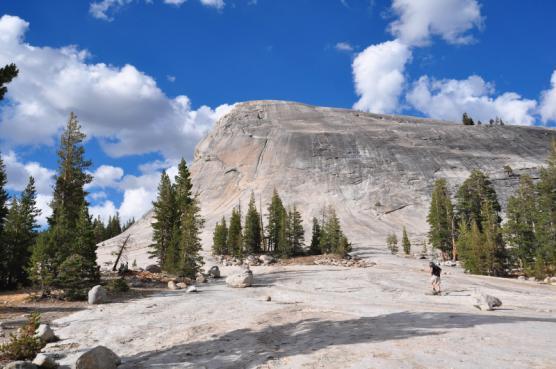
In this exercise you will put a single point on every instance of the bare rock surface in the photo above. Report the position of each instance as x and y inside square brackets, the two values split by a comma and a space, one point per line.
[376, 170]
[323, 316]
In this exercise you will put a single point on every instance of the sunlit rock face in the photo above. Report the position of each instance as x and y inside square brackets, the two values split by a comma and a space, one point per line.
[376, 170]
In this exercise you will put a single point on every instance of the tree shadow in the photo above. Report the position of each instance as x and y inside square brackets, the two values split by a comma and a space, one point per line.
[246, 347]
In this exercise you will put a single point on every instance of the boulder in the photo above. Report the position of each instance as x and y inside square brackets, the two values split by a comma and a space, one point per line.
[532, 279]
[201, 278]
[521, 278]
[266, 259]
[191, 289]
[181, 285]
[552, 280]
[251, 260]
[486, 302]
[20, 365]
[99, 357]
[45, 362]
[97, 295]
[153, 268]
[45, 333]
[172, 285]
[214, 272]
[240, 280]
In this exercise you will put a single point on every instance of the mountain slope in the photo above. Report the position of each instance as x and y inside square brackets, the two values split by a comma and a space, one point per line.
[376, 170]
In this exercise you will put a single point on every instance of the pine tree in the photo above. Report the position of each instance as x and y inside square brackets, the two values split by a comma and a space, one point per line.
[4, 197]
[219, 238]
[441, 220]
[235, 236]
[470, 196]
[3, 213]
[183, 203]
[405, 242]
[7, 74]
[331, 237]
[12, 228]
[519, 229]
[296, 231]
[67, 204]
[164, 209]
[284, 247]
[190, 243]
[99, 230]
[315, 249]
[276, 215]
[183, 187]
[20, 235]
[545, 259]
[493, 247]
[392, 243]
[69, 193]
[113, 228]
[85, 244]
[252, 229]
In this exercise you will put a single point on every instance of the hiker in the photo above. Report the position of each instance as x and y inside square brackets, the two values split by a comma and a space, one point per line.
[435, 277]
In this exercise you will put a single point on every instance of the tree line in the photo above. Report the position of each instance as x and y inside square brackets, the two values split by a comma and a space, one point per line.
[466, 120]
[283, 235]
[112, 228]
[471, 230]
[177, 225]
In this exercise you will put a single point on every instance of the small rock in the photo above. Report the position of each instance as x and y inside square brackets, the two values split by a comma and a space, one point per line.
[521, 278]
[20, 365]
[181, 285]
[97, 295]
[153, 268]
[99, 357]
[251, 260]
[266, 259]
[45, 333]
[547, 280]
[532, 279]
[45, 362]
[214, 272]
[172, 285]
[240, 280]
[268, 298]
[201, 279]
[486, 302]
[553, 280]
[191, 289]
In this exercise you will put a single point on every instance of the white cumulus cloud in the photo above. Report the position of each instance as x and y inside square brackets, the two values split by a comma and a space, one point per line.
[106, 176]
[104, 211]
[449, 99]
[121, 106]
[418, 20]
[378, 73]
[547, 108]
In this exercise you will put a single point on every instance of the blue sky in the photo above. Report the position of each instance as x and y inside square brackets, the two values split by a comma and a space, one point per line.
[148, 78]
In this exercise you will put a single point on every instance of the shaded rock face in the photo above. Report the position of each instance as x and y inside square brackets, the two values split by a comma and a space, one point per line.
[376, 170]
